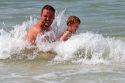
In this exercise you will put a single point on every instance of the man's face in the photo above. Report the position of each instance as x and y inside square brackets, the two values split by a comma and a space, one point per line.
[47, 17]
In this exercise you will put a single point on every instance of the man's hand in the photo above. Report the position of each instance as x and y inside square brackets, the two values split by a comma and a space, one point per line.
[42, 24]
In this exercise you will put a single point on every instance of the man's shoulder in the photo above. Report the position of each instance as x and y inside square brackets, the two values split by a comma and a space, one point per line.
[35, 28]
[32, 32]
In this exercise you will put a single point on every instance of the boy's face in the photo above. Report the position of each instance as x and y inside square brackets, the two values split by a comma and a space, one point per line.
[74, 27]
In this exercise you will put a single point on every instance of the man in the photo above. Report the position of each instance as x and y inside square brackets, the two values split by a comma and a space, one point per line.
[42, 25]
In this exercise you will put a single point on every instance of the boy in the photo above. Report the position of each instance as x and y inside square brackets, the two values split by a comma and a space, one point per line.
[73, 23]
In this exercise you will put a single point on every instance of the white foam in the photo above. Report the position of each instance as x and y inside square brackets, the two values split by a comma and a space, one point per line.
[90, 48]
[85, 48]
[54, 77]
[13, 41]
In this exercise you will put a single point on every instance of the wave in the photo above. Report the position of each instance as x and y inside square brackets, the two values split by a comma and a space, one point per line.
[85, 48]
[91, 48]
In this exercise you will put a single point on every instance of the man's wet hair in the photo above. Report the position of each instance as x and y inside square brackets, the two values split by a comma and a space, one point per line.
[48, 7]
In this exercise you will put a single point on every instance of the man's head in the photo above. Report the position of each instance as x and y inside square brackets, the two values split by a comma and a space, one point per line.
[73, 23]
[47, 15]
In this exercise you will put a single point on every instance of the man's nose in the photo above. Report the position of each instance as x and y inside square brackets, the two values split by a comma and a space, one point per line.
[48, 18]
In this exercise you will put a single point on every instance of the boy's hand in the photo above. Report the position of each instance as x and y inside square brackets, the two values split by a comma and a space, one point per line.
[66, 36]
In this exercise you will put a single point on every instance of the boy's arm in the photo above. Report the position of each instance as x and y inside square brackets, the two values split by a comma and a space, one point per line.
[66, 36]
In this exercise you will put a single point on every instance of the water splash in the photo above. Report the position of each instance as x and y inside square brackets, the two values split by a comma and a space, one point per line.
[13, 41]
[85, 48]
[90, 48]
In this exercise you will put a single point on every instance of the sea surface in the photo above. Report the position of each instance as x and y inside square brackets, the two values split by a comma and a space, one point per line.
[95, 54]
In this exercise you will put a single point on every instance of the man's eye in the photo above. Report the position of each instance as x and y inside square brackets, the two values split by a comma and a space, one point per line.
[45, 16]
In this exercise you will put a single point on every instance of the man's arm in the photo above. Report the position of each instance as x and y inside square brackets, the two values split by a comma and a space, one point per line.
[31, 37]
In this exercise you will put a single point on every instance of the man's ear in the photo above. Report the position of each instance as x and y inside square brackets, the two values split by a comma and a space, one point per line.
[40, 17]
[53, 17]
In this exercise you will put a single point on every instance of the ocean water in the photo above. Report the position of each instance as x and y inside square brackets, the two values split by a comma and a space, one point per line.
[95, 54]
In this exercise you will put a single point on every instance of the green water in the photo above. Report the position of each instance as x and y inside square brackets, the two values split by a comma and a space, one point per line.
[106, 17]
[102, 16]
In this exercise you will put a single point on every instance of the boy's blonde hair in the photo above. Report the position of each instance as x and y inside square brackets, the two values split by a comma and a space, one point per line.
[73, 19]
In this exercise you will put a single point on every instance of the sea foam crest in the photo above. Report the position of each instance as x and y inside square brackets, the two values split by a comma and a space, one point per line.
[88, 48]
